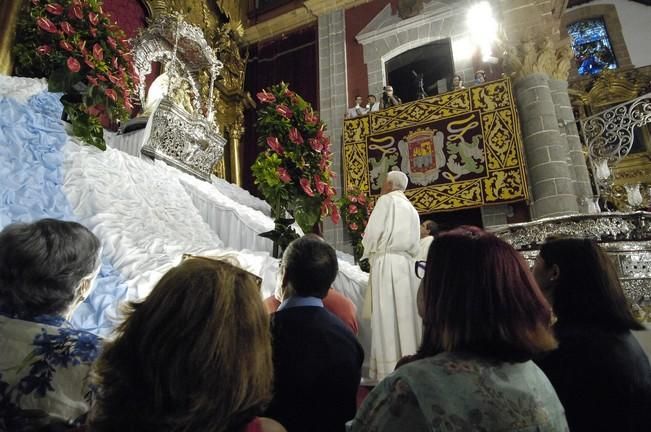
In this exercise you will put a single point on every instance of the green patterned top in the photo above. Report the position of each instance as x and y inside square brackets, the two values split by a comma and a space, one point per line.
[459, 392]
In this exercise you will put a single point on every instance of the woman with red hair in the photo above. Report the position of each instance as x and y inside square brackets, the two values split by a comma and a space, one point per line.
[484, 318]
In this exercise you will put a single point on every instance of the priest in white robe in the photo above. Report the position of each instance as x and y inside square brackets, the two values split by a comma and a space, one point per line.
[391, 244]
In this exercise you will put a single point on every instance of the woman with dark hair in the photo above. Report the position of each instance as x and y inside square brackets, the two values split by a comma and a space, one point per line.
[195, 355]
[484, 318]
[47, 268]
[599, 371]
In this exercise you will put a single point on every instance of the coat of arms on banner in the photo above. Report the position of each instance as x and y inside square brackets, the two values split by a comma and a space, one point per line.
[422, 156]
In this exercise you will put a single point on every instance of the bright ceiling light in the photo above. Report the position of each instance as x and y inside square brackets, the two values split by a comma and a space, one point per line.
[482, 26]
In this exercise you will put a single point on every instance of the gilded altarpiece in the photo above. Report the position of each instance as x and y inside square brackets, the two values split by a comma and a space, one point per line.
[461, 149]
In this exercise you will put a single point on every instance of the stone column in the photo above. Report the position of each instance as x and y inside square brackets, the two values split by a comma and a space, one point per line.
[570, 133]
[547, 157]
[333, 102]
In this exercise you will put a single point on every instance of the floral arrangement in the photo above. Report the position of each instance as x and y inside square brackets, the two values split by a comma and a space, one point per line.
[294, 172]
[356, 209]
[84, 56]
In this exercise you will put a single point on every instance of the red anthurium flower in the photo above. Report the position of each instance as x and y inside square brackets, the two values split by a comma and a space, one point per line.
[331, 192]
[111, 94]
[114, 62]
[283, 175]
[93, 18]
[54, 8]
[93, 32]
[36, 2]
[66, 45]
[352, 209]
[273, 143]
[362, 199]
[92, 80]
[98, 52]
[112, 42]
[67, 28]
[335, 214]
[113, 78]
[295, 136]
[128, 104]
[76, 12]
[89, 62]
[95, 110]
[44, 49]
[352, 199]
[265, 97]
[284, 111]
[102, 78]
[321, 186]
[305, 184]
[353, 226]
[315, 144]
[310, 117]
[46, 24]
[73, 64]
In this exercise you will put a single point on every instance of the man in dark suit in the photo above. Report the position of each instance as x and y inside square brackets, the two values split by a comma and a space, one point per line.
[317, 359]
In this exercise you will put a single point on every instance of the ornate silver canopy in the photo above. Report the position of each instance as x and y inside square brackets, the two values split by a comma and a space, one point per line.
[182, 128]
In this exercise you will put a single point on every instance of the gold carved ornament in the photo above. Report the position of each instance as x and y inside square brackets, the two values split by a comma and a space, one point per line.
[468, 170]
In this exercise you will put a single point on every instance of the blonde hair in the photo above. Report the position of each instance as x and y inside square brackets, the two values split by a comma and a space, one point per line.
[195, 355]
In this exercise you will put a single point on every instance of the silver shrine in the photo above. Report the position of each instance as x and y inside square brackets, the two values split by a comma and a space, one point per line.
[626, 237]
[182, 131]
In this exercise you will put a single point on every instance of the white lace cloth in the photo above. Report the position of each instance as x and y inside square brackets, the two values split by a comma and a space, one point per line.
[21, 89]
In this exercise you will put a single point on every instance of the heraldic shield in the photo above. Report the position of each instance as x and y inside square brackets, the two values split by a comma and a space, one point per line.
[422, 156]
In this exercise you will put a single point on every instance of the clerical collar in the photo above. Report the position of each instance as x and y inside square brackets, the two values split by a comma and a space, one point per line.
[298, 301]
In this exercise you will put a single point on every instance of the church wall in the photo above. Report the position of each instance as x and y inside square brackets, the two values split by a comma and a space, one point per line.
[634, 19]
[291, 58]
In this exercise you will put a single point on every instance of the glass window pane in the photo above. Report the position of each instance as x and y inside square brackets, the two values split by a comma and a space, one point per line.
[593, 51]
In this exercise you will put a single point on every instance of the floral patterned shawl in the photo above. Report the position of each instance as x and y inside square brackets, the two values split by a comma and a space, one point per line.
[44, 366]
[455, 392]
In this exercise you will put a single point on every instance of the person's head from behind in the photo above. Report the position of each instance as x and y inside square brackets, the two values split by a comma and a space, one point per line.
[309, 266]
[195, 355]
[581, 282]
[395, 181]
[479, 296]
[428, 228]
[46, 267]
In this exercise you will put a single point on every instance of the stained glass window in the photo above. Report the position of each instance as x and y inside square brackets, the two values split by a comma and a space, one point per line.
[593, 51]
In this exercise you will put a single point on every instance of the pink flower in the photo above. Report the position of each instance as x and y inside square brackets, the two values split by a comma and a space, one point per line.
[330, 192]
[128, 104]
[335, 214]
[310, 117]
[112, 42]
[265, 97]
[93, 18]
[352, 199]
[321, 186]
[315, 144]
[44, 49]
[353, 226]
[98, 52]
[92, 80]
[67, 28]
[46, 24]
[305, 184]
[82, 46]
[93, 32]
[111, 94]
[295, 136]
[284, 111]
[283, 175]
[66, 45]
[362, 199]
[76, 12]
[73, 64]
[115, 80]
[273, 143]
[54, 8]
[114, 62]
[352, 209]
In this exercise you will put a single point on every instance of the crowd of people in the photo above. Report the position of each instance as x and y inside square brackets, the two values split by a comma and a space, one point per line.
[481, 342]
[389, 98]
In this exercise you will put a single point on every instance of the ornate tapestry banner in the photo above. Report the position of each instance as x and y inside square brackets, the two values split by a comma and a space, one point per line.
[461, 149]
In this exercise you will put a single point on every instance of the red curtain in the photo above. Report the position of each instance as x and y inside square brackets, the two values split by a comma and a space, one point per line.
[292, 59]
